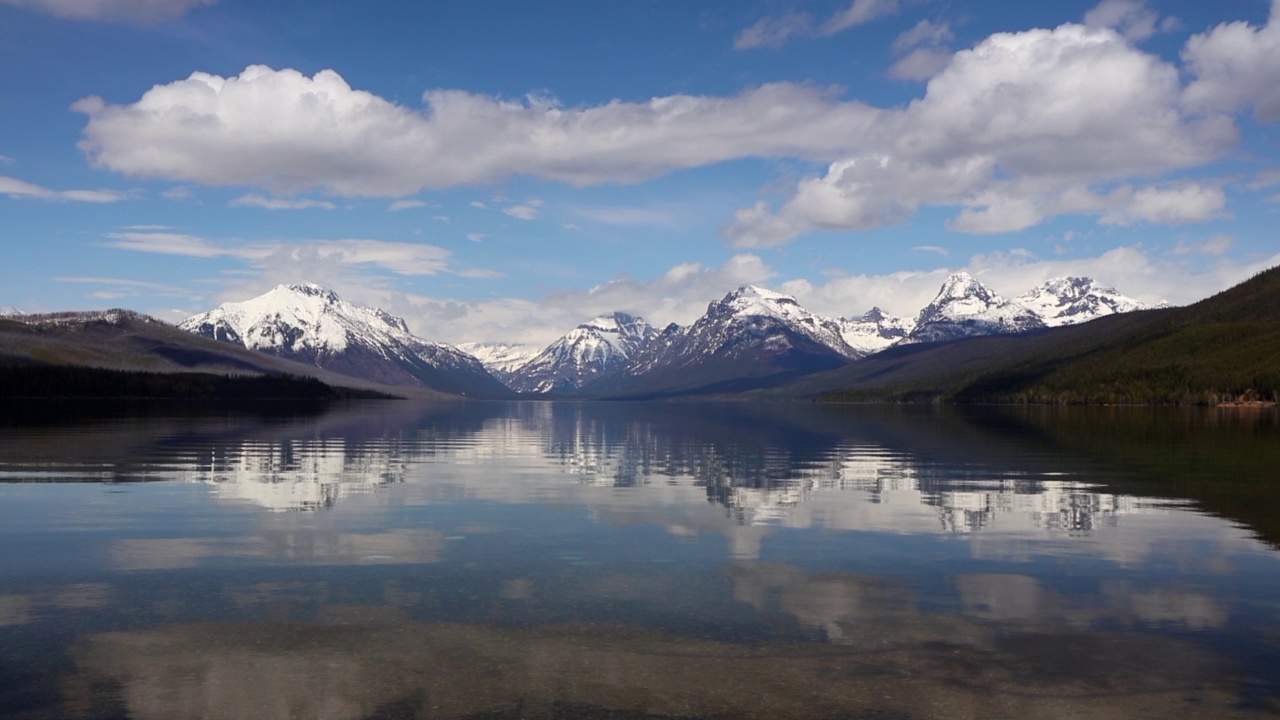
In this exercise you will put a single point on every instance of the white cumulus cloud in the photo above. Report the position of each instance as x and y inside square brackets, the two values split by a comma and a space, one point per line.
[1236, 65]
[1021, 127]
[288, 132]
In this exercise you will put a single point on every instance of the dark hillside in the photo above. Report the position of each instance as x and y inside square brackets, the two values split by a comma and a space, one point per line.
[1223, 348]
[124, 341]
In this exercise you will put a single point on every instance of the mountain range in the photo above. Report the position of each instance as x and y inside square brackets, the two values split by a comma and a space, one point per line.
[1225, 348]
[750, 338]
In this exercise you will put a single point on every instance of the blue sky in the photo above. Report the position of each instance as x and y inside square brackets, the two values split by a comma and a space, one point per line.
[500, 171]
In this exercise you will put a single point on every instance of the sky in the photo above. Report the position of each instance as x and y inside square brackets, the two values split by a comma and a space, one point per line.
[501, 171]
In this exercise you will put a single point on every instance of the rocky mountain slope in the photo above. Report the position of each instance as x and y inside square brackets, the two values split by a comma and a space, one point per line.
[1074, 300]
[499, 358]
[750, 337]
[311, 324]
[123, 341]
[588, 351]
[965, 307]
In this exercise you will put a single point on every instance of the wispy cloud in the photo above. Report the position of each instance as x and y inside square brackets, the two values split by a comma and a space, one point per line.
[22, 190]
[399, 205]
[628, 216]
[179, 244]
[133, 10]
[1215, 246]
[859, 12]
[774, 31]
[936, 249]
[266, 203]
[524, 211]
[922, 51]
[121, 287]
[1131, 18]
[400, 258]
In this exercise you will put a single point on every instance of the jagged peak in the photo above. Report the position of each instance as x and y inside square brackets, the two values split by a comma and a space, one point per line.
[749, 300]
[875, 314]
[757, 292]
[962, 285]
[1071, 286]
[308, 289]
[612, 322]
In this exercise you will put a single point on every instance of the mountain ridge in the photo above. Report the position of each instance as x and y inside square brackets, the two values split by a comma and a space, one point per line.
[1221, 349]
[102, 342]
[312, 324]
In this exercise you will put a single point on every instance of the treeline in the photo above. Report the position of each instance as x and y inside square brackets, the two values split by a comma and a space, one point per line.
[60, 381]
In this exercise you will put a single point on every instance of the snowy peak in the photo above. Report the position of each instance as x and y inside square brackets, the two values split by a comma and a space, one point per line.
[310, 323]
[298, 318]
[594, 348]
[874, 315]
[501, 359]
[874, 331]
[964, 307]
[753, 301]
[760, 312]
[962, 295]
[1072, 300]
[963, 286]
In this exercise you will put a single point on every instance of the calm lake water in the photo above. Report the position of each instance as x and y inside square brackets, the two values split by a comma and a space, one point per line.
[566, 560]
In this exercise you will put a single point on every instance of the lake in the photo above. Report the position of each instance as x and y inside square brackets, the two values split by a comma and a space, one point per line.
[638, 560]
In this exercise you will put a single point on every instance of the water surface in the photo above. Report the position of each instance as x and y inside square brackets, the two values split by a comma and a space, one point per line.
[539, 560]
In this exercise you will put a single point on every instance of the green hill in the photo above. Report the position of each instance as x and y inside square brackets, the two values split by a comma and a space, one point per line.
[1222, 348]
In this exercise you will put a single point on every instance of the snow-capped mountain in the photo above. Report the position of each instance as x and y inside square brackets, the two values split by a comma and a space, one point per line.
[500, 359]
[965, 307]
[311, 324]
[1073, 300]
[588, 351]
[745, 339]
[7, 311]
[874, 331]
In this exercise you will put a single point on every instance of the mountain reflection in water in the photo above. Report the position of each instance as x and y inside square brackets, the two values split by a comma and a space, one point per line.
[503, 560]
